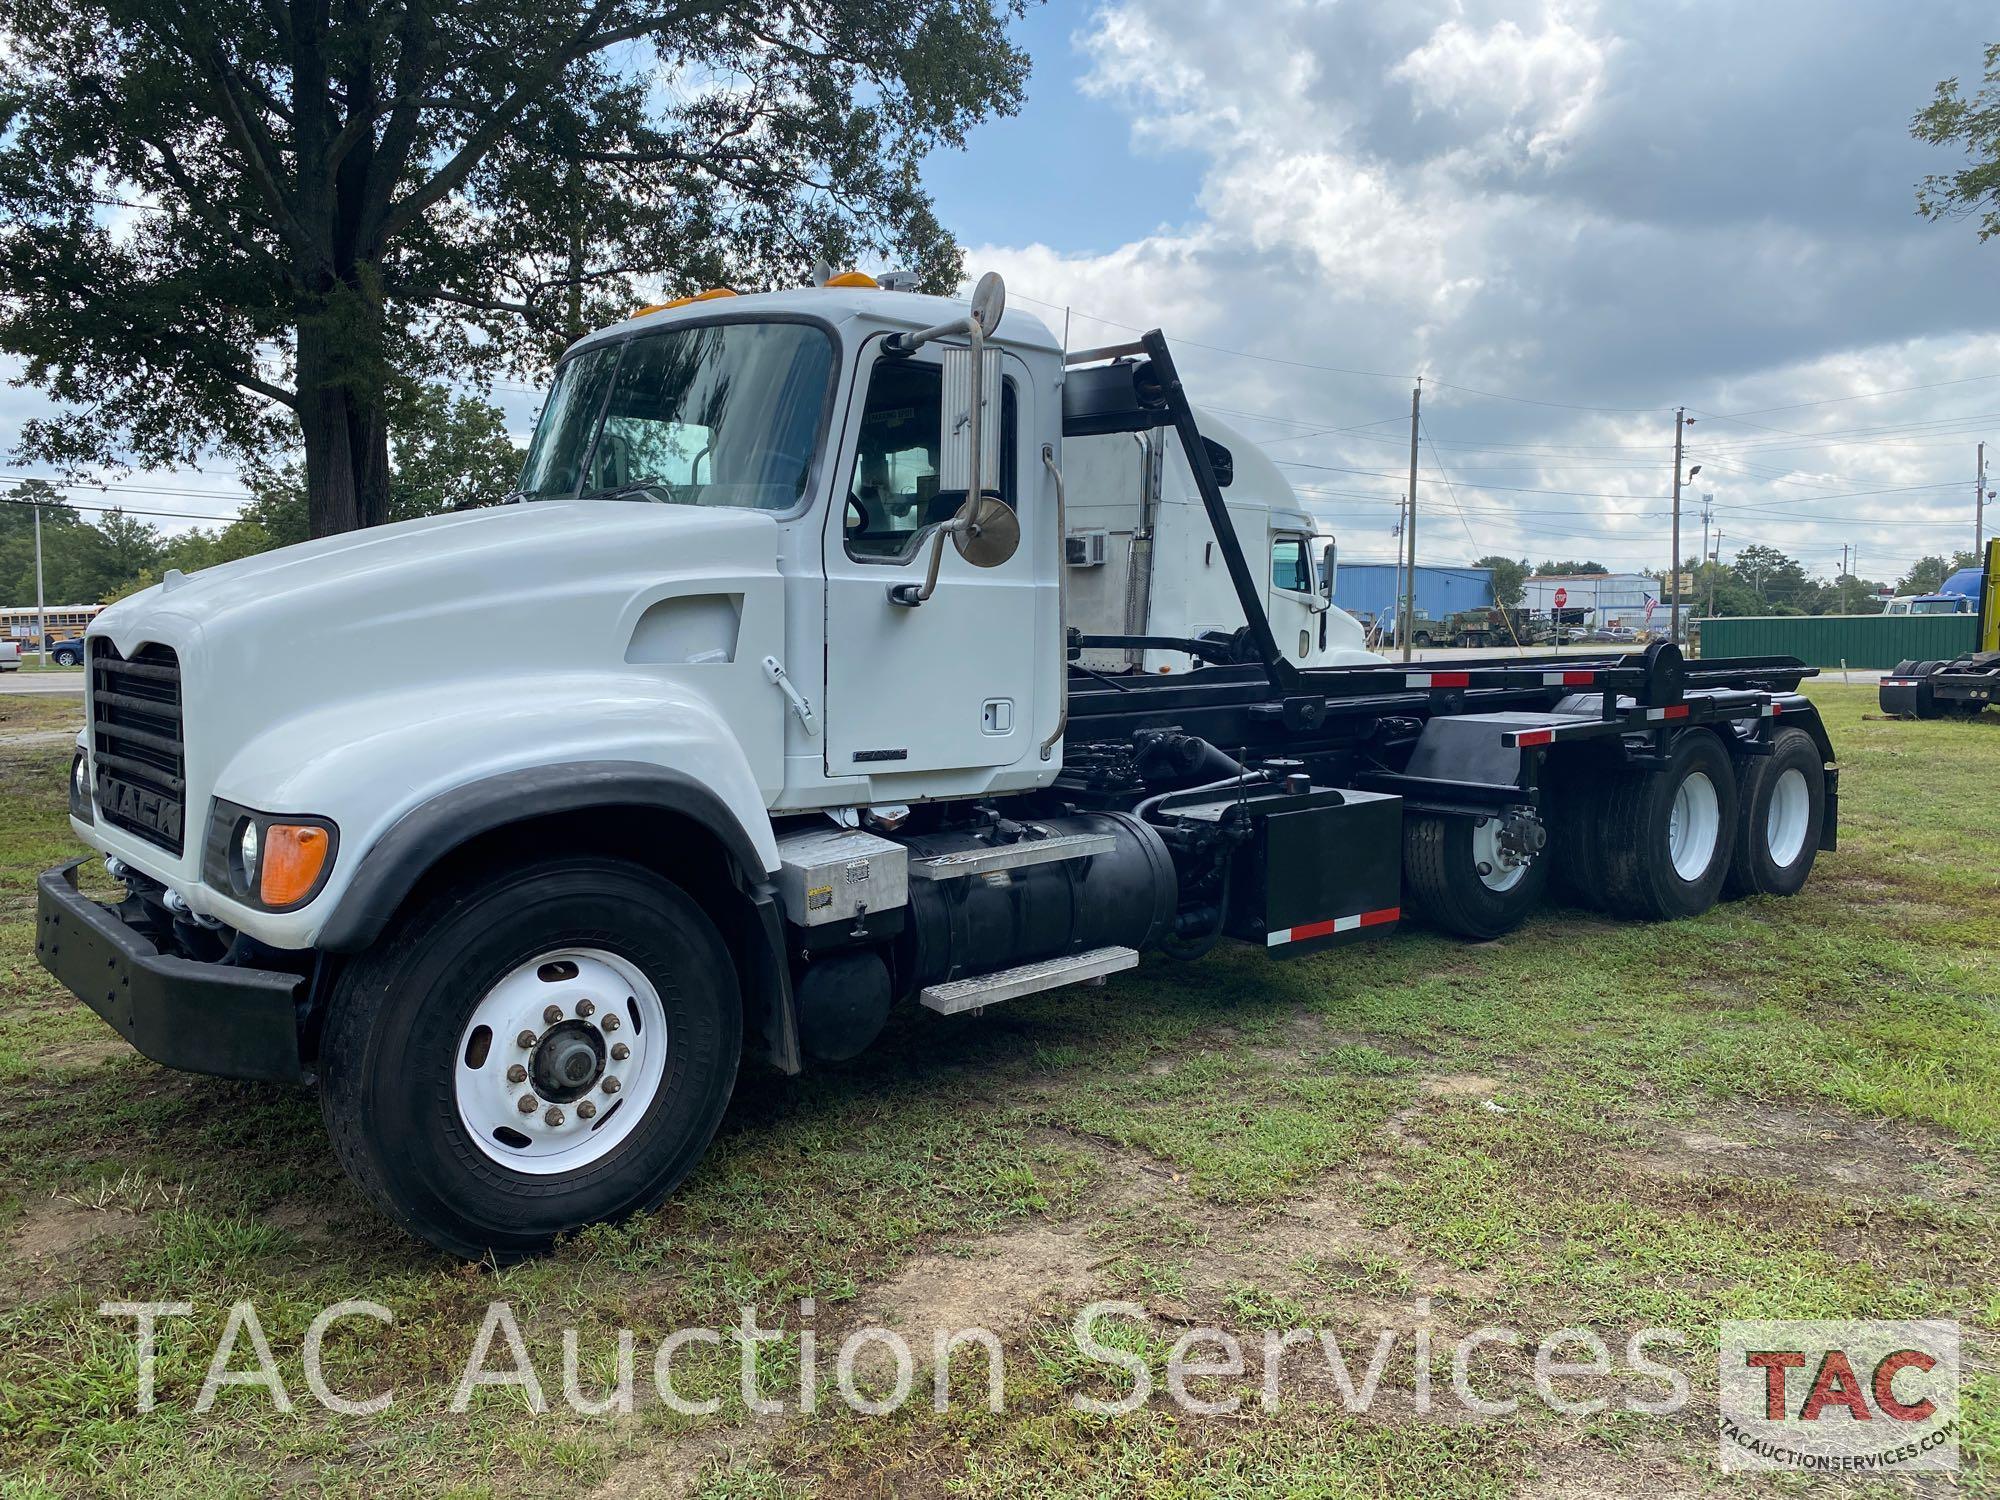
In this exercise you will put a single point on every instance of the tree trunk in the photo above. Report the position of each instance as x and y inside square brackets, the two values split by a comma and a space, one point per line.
[343, 416]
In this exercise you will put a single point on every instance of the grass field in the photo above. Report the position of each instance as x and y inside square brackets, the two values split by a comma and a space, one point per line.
[1784, 1109]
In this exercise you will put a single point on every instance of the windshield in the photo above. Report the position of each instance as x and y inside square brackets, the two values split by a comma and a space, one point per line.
[719, 414]
[1934, 607]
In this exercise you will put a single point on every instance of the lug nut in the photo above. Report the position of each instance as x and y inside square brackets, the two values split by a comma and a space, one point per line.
[528, 1105]
[610, 1085]
[517, 1074]
[610, 1022]
[526, 1041]
[586, 1110]
[553, 1117]
[619, 1052]
[585, 1008]
[553, 1014]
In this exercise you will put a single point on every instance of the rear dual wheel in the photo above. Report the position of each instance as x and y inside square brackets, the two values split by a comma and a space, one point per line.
[1668, 835]
[1781, 805]
[1914, 700]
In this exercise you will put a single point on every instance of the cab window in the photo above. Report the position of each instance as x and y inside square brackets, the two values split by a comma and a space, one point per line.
[1291, 565]
[893, 495]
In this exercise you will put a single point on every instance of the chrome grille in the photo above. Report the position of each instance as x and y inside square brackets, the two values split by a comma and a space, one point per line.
[135, 741]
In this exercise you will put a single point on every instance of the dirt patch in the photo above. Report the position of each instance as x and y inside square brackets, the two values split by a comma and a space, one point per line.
[1573, 1470]
[999, 1284]
[1819, 1149]
[1458, 1085]
[57, 1228]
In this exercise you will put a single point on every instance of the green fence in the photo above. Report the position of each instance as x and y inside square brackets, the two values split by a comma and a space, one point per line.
[1829, 640]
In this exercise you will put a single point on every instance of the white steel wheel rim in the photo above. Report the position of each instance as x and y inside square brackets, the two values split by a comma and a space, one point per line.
[1495, 871]
[601, 1005]
[1694, 826]
[1786, 819]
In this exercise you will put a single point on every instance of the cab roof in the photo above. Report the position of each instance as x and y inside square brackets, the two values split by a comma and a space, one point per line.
[838, 305]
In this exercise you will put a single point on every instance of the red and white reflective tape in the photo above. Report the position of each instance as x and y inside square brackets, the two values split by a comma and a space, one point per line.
[1568, 679]
[1436, 679]
[1535, 737]
[1677, 711]
[1772, 710]
[1900, 681]
[1332, 925]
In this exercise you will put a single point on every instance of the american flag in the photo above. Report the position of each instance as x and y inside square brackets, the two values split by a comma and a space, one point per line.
[1650, 602]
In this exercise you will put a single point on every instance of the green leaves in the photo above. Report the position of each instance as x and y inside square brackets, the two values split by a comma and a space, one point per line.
[216, 212]
[1972, 123]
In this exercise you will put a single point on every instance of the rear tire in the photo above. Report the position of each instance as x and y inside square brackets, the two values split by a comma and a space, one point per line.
[404, 1079]
[1441, 858]
[1781, 802]
[1667, 836]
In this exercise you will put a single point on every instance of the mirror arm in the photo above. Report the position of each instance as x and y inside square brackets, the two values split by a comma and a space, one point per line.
[910, 595]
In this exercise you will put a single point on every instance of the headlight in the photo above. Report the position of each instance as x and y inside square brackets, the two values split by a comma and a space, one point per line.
[276, 861]
[80, 804]
[249, 844]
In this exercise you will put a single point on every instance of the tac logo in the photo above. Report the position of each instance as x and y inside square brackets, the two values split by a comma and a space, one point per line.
[1831, 1396]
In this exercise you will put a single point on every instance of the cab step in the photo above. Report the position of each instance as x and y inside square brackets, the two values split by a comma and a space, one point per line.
[1017, 856]
[956, 995]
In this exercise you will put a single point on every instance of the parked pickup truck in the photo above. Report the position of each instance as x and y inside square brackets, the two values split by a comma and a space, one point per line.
[815, 742]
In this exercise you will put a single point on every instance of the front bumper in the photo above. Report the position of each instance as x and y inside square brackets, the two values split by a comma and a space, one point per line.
[214, 1018]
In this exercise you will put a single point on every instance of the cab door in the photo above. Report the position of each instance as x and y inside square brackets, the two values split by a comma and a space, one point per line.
[1293, 599]
[947, 685]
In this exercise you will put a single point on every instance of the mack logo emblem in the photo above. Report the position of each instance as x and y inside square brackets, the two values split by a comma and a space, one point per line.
[133, 804]
[861, 755]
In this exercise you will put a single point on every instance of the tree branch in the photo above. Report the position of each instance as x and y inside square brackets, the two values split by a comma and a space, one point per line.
[591, 36]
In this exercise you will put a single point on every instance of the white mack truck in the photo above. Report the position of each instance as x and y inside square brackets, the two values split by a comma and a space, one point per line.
[764, 710]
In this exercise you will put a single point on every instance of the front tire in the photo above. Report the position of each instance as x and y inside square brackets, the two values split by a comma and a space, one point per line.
[1781, 801]
[426, 1054]
[1458, 878]
[1667, 835]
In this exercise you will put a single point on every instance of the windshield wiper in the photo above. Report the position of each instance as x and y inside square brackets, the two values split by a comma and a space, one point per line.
[633, 487]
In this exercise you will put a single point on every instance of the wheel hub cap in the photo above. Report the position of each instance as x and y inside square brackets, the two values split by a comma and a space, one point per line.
[567, 1061]
[560, 1060]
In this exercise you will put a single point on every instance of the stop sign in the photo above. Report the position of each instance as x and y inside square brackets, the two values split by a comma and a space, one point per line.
[1562, 597]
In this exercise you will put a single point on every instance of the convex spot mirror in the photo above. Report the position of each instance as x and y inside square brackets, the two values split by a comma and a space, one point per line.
[986, 531]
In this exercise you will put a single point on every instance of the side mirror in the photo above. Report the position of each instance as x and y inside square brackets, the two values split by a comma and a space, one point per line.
[986, 533]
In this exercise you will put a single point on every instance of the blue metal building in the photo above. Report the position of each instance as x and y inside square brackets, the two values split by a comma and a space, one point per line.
[1367, 590]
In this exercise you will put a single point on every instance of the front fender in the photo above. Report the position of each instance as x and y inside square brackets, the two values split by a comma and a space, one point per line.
[406, 777]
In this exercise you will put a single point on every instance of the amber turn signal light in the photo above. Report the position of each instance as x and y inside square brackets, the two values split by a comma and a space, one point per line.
[294, 856]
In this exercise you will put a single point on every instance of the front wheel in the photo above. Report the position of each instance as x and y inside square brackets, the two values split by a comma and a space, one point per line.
[1667, 835]
[530, 1053]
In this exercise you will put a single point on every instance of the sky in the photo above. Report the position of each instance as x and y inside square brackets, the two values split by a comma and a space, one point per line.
[1569, 218]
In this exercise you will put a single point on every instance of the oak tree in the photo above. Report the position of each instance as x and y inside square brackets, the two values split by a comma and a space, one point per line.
[231, 224]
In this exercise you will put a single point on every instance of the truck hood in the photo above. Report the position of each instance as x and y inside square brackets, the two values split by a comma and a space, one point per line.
[501, 606]
[502, 585]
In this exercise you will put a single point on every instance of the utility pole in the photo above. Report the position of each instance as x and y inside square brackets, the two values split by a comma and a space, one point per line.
[1682, 421]
[41, 604]
[1707, 512]
[1845, 574]
[1979, 512]
[1407, 626]
[1714, 567]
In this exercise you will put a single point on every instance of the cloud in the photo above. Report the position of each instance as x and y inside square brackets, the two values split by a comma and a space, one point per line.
[1599, 211]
